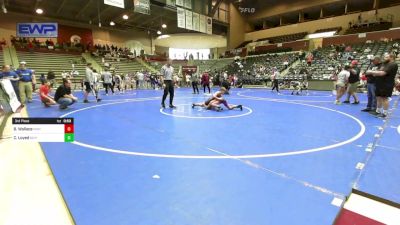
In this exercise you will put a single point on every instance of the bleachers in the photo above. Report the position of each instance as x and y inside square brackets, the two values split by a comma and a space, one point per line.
[337, 29]
[254, 70]
[1, 56]
[326, 61]
[212, 64]
[123, 66]
[43, 62]
[369, 27]
[285, 38]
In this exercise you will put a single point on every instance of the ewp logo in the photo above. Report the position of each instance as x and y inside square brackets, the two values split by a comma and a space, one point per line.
[37, 29]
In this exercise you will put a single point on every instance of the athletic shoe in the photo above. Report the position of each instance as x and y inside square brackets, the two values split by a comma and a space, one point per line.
[240, 107]
[172, 106]
[346, 102]
[356, 103]
[366, 110]
[63, 107]
[85, 101]
[99, 100]
[374, 113]
[218, 109]
[30, 101]
[193, 106]
[337, 102]
[163, 106]
[381, 115]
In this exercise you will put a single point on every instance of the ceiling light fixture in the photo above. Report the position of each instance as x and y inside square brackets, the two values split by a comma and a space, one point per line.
[39, 11]
[164, 25]
[112, 23]
[125, 17]
[158, 32]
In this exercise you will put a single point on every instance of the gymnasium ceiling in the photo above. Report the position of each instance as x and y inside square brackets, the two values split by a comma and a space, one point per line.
[88, 12]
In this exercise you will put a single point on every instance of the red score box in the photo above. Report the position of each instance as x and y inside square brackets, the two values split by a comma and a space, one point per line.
[68, 128]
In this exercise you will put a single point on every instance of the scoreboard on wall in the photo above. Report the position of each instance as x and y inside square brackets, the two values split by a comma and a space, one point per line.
[43, 129]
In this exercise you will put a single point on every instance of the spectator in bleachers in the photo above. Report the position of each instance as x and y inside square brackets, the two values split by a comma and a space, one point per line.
[371, 87]
[44, 91]
[310, 58]
[26, 83]
[64, 96]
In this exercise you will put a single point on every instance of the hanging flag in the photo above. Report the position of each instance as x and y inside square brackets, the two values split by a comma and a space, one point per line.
[189, 17]
[142, 6]
[209, 25]
[196, 18]
[170, 2]
[202, 24]
[188, 4]
[179, 2]
[116, 3]
[181, 17]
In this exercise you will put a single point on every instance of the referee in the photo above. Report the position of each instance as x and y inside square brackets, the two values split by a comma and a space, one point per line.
[167, 72]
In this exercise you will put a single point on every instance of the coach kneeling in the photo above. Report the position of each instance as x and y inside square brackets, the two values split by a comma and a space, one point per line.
[64, 96]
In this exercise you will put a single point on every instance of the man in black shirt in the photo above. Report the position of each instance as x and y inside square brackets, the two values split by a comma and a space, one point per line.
[64, 96]
[371, 87]
[385, 79]
[353, 82]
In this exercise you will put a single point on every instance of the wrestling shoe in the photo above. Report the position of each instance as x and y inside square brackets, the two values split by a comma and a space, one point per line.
[163, 105]
[346, 102]
[240, 107]
[218, 109]
[85, 101]
[193, 106]
[99, 100]
[172, 106]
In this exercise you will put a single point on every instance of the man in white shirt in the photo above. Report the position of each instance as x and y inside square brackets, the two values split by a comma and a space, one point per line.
[167, 72]
[275, 79]
[140, 77]
[107, 80]
[342, 80]
[89, 82]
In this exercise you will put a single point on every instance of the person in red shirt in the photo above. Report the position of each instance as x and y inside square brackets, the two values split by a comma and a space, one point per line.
[44, 94]
[205, 81]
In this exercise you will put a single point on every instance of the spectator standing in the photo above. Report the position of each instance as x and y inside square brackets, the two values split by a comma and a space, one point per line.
[26, 82]
[371, 86]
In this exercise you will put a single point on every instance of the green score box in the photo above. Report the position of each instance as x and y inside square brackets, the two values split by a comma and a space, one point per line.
[69, 138]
